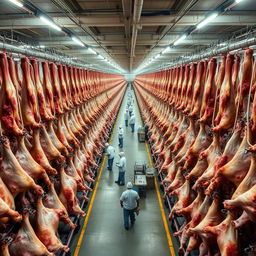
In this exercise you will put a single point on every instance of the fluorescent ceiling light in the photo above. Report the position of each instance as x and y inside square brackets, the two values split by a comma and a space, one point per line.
[158, 55]
[180, 39]
[75, 39]
[207, 20]
[92, 51]
[101, 57]
[239, 1]
[50, 23]
[18, 3]
[166, 49]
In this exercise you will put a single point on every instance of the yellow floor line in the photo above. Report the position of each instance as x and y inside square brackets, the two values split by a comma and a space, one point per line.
[166, 227]
[80, 240]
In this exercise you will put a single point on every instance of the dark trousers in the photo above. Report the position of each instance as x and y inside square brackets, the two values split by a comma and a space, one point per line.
[126, 123]
[127, 214]
[121, 142]
[130, 113]
[132, 126]
[121, 178]
[110, 163]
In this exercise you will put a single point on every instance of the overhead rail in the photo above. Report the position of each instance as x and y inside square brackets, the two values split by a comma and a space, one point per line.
[30, 8]
[38, 53]
[209, 17]
[221, 48]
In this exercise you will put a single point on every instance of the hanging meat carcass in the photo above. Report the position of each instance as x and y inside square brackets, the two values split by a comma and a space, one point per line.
[220, 160]
[9, 108]
[43, 155]
[13, 175]
[27, 243]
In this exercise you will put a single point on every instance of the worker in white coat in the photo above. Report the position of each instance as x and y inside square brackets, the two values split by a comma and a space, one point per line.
[132, 122]
[110, 152]
[129, 201]
[122, 169]
[121, 137]
[129, 102]
[126, 117]
[130, 110]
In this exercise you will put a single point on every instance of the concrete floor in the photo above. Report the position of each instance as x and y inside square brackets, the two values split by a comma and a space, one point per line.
[105, 233]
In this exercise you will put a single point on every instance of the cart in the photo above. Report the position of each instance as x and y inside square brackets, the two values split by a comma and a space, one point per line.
[141, 134]
[140, 181]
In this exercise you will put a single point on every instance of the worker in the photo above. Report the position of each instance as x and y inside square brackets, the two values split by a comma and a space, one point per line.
[129, 102]
[122, 168]
[129, 201]
[110, 152]
[130, 110]
[126, 117]
[121, 137]
[132, 122]
[146, 131]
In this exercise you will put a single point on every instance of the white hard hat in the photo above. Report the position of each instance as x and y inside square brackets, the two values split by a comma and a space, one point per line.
[129, 185]
[121, 154]
[120, 127]
[106, 144]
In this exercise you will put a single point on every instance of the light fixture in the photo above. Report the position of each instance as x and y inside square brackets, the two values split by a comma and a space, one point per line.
[238, 1]
[42, 46]
[207, 20]
[166, 49]
[91, 50]
[158, 55]
[180, 39]
[101, 57]
[75, 39]
[49, 22]
[18, 3]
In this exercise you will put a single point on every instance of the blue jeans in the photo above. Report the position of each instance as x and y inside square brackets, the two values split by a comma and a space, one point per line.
[132, 126]
[121, 178]
[126, 123]
[121, 142]
[127, 214]
[110, 163]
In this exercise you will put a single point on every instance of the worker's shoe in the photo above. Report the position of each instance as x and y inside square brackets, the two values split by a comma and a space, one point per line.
[117, 181]
[126, 228]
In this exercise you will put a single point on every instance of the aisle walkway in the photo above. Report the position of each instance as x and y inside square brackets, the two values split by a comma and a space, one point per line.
[105, 234]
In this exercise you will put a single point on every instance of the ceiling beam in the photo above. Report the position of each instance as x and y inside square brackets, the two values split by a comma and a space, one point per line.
[117, 21]
[74, 5]
[67, 41]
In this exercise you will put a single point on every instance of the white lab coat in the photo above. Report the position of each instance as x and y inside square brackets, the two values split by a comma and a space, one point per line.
[120, 133]
[126, 115]
[132, 120]
[122, 164]
[111, 152]
[130, 109]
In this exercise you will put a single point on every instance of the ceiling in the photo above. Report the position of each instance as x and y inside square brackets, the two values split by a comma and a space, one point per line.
[113, 27]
